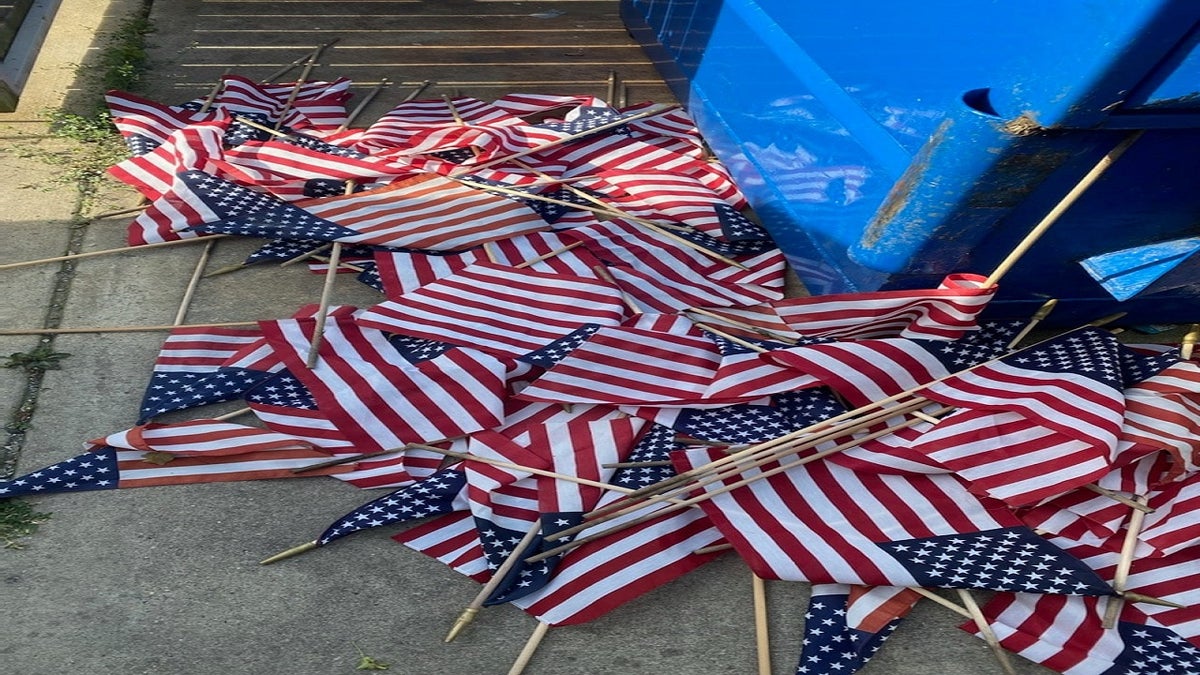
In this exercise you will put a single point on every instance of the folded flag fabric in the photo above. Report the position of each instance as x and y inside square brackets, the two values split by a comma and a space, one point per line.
[189, 372]
[824, 523]
[845, 625]
[200, 451]
[380, 400]
[443, 492]
[944, 313]
[145, 124]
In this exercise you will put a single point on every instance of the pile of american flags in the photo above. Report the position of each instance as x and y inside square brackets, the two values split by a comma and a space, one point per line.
[583, 380]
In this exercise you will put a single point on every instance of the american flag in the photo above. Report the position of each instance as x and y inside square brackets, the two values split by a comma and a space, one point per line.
[145, 124]
[451, 539]
[600, 575]
[524, 105]
[443, 492]
[868, 370]
[620, 365]
[845, 625]
[1071, 383]
[824, 523]
[1007, 457]
[944, 313]
[1066, 633]
[499, 309]
[286, 406]
[396, 127]
[377, 398]
[315, 104]
[200, 451]
[561, 503]
[188, 370]
[1162, 411]
[1175, 523]
[743, 373]
[196, 146]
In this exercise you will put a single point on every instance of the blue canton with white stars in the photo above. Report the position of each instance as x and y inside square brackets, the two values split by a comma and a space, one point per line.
[589, 118]
[96, 470]
[317, 145]
[428, 497]
[1151, 650]
[737, 227]
[1092, 353]
[140, 145]
[283, 249]
[523, 578]
[985, 344]
[415, 349]
[654, 446]
[727, 248]
[248, 213]
[740, 423]
[284, 390]
[1005, 559]
[238, 132]
[180, 390]
[830, 645]
[806, 407]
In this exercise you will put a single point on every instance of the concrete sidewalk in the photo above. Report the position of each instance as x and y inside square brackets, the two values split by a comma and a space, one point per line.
[166, 580]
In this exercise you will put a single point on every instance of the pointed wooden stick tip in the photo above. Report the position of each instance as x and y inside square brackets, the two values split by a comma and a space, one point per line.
[295, 550]
[467, 616]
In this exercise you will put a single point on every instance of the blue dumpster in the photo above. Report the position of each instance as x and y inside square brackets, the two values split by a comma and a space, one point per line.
[887, 144]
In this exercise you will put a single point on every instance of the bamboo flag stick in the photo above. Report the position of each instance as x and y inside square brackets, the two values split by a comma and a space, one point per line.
[1034, 320]
[122, 212]
[363, 104]
[926, 593]
[351, 458]
[1061, 207]
[547, 256]
[110, 251]
[291, 100]
[122, 329]
[305, 256]
[212, 94]
[715, 548]
[610, 93]
[230, 415]
[1188, 343]
[531, 646]
[649, 112]
[472, 610]
[1117, 496]
[762, 635]
[417, 92]
[1121, 577]
[335, 255]
[197, 274]
[985, 629]
[732, 338]
[313, 55]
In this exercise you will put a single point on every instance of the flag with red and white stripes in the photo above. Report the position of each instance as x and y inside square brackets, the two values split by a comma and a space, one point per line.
[196, 146]
[145, 124]
[1163, 411]
[381, 401]
[1007, 457]
[944, 313]
[313, 104]
[451, 539]
[502, 310]
[396, 127]
[824, 523]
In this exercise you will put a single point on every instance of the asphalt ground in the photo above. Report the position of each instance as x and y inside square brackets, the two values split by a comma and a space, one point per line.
[167, 580]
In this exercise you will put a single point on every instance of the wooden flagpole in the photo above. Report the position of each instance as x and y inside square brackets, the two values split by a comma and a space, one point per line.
[610, 94]
[602, 272]
[212, 94]
[122, 212]
[1188, 344]
[531, 646]
[110, 251]
[384, 82]
[741, 324]
[1061, 207]
[762, 635]
[472, 610]
[122, 329]
[547, 256]
[230, 415]
[305, 256]
[985, 629]
[190, 291]
[335, 255]
[287, 107]
[312, 55]
[1034, 320]
[1121, 577]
